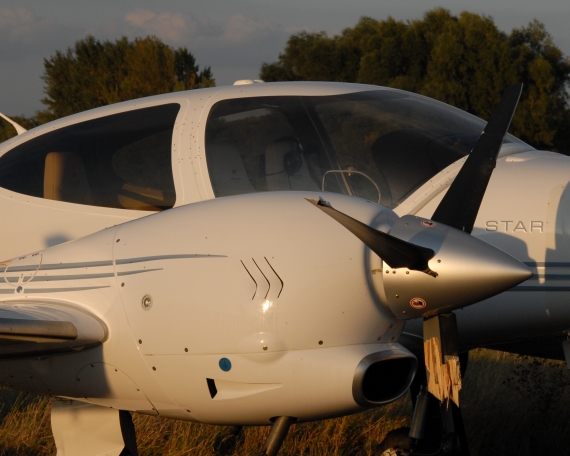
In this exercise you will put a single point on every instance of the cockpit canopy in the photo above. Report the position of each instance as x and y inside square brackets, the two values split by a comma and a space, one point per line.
[380, 145]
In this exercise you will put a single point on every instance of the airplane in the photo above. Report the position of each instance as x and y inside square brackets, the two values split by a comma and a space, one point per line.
[271, 253]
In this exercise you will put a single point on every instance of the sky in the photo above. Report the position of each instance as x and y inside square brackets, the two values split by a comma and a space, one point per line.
[233, 37]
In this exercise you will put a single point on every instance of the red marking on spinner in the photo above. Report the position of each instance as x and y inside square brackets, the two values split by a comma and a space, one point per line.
[428, 223]
[417, 303]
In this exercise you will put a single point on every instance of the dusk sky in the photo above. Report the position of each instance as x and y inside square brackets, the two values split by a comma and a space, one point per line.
[234, 37]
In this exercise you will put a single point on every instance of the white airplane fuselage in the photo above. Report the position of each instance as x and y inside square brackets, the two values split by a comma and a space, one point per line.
[225, 308]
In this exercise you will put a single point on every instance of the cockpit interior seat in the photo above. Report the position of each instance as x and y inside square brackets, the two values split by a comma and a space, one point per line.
[227, 171]
[65, 178]
[286, 168]
[144, 198]
[403, 159]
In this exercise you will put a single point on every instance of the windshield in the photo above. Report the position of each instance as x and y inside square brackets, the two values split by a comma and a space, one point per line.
[380, 145]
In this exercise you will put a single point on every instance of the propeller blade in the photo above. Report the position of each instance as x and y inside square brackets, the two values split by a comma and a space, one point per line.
[395, 252]
[460, 205]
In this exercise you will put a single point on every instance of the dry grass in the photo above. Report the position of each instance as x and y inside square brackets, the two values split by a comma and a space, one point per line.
[512, 406]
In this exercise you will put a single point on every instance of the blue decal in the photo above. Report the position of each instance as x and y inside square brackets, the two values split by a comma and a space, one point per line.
[225, 364]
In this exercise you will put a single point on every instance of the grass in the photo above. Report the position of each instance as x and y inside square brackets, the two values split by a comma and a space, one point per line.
[512, 405]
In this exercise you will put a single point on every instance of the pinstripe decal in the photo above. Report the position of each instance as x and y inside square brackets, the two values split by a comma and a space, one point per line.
[165, 257]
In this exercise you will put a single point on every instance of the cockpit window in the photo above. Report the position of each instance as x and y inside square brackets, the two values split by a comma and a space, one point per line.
[121, 161]
[263, 144]
[381, 145]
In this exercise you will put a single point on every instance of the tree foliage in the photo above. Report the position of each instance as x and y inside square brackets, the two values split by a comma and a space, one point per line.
[94, 73]
[463, 60]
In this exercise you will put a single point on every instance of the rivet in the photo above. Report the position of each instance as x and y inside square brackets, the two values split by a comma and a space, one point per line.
[407, 272]
[397, 296]
[439, 261]
[186, 350]
[320, 342]
[146, 302]
[188, 411]
[19, 289]
[393, 272]
[387, 272]
[123, 284]
[118, 240]
[140, 341]
[265, 347]
[92, 365]
[153, 368]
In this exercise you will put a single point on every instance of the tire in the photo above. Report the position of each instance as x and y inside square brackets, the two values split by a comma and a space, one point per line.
[396, 443]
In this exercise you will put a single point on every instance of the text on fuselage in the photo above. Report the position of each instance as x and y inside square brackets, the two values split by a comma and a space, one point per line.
[513, 226]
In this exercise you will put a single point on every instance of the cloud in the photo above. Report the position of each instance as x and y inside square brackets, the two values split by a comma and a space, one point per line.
[240, 29]
[20, 23]
[168, 26]
[179, 28]
[176, 28]
[238, 41]
[23, 33]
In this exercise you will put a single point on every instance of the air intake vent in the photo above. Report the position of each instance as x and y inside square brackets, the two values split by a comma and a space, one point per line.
[383, 377]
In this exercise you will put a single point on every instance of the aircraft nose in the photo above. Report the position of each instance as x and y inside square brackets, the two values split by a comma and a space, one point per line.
[468, 270]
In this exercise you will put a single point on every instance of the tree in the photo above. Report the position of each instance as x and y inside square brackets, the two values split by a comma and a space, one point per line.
[463, 60]
[95, 73]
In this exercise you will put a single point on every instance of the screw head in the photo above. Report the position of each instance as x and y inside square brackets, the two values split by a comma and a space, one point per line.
[146, 302]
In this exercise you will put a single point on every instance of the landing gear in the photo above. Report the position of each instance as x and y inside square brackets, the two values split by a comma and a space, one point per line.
[276, 436]
[442, 433]
[436, 430]
[81, 429]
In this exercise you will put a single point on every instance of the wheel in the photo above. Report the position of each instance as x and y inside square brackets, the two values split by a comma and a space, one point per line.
[391, 452]
[396, 443]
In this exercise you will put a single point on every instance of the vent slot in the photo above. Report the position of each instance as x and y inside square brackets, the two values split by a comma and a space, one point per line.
[212, 387]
